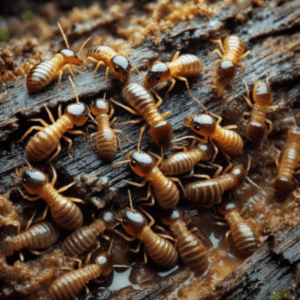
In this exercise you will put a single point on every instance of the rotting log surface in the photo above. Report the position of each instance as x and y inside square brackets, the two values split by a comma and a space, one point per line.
[272, 33]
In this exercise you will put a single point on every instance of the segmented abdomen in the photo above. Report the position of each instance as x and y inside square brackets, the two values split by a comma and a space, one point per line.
[142, 101]
[100, 52]
[69, 285]
[165, 191]
[245, 239]
[79, 241]
[43, 143]
[192, 252]
[234, 48]
[40, 76]
[161, 251]
[64, 212]
[205, 193]
[189, 65]
[289, 162]
[106, 142]
[39, 236]
[228, 140]
[179, 163]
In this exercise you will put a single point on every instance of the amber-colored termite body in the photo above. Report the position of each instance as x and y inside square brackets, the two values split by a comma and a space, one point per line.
[233, 50]
[69, 285]
[85, 237]
[106, 140]
[290, 159]
[227, 140]
[160, 250]
[190, 248]
[245, 233]
[65, 213]
[144, 105]
[39, 236]
[43, 143]
[186, 65]
[42, 74]
[209, 192]
[183, 162]
[165, 191]
[106, 56]
[256, 129]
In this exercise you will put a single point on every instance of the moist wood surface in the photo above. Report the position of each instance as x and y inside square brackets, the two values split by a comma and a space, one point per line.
[272, 33]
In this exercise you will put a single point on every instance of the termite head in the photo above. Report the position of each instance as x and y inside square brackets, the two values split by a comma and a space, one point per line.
[284, 185]
[202, 124]
[71, 57]
[226, 72]
[32, 179]
[99, 107]
[226, 207]
[239, 175]
[140, 162]
[158, 73]
[172, 217]
[132, 221]
[121, 67]
[105, 261]
[162, 134]
[110, 220]
[294, 135]
[78, 113]
[207, 151]
[262, 93]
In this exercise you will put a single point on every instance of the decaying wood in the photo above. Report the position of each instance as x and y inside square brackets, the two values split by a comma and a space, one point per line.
[272, 33]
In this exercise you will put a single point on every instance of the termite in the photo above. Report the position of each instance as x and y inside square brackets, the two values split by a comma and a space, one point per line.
[256, 129]
[106, 56]
[228, 141]
[233, 50]
[39, 236]
[165, 191]
[143, 102]
[245, 233]
[85, 237]
[160, 250]
[43, 143]
[42, 74]
[106, 140]
[65, 213]
[190, 248]
[284, 182]
[70, 284]
[185, 161]
[181, 66]
[209, 192]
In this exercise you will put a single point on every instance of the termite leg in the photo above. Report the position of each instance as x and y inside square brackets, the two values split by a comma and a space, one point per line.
[64, 188]
[39, 120]
[70, 145]
[29, 131]
[171, 86]
[49, 114]
[55, 154]
[270, 126]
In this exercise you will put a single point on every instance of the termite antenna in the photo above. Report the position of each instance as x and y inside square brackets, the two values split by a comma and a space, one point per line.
[267, 79]
[29, 165]
[248, 179]
[120, 163]
[110, 246]
[130, 200]
[76, 96]
[83, 45]
[64, 36]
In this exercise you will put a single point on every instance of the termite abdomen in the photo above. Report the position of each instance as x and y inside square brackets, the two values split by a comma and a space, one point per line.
[83, 238]
[183, 162]
[190, 248]
[209, 192]
[284, 181]
[39, 236]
